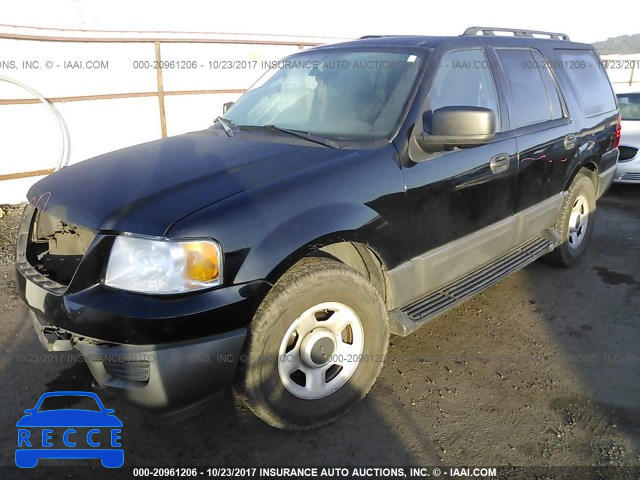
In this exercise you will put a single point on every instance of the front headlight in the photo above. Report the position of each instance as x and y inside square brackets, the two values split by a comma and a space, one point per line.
[161, 266]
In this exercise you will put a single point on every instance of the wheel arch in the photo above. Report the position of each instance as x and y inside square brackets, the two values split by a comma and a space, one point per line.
[364, 260]
[344, 248]
[589, 167]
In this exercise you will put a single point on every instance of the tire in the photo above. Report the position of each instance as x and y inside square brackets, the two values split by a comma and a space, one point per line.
[575, 223]
[288, 341]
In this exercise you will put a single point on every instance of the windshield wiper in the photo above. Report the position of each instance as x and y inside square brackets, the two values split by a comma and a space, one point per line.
[227, 125]
[301, 134]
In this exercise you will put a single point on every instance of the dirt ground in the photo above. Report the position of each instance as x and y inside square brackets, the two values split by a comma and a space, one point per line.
[541, 369]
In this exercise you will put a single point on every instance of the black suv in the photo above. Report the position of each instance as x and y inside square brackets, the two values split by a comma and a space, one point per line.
[355, 191]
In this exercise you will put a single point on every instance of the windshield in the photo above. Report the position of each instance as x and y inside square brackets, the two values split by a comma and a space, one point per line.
[629, 106]
[337, 93]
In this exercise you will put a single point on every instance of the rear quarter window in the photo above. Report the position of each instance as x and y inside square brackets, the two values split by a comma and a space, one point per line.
[530, 101]
[588, 79]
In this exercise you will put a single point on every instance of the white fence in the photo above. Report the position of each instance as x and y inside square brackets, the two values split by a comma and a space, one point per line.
[623, 70]
[111, 92]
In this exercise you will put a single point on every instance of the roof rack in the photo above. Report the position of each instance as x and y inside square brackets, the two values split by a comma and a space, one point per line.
[491, 31]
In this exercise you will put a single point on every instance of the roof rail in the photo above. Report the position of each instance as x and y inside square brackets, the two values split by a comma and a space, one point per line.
[374, 36]
[516, 32]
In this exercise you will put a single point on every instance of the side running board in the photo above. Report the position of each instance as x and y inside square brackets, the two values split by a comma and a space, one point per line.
[406, 320]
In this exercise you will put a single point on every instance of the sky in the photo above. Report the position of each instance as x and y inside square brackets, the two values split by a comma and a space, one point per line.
[327, 18]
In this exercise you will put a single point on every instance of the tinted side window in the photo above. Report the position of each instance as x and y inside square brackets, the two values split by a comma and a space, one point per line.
[530, 102]
[629, 106]
[464, 79]
[589, 80]
[550, 85]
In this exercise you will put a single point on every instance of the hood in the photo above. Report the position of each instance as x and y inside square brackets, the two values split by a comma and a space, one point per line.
[146, 188]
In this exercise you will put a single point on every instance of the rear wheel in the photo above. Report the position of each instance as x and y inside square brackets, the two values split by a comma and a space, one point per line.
[315, 347]
[575, 223]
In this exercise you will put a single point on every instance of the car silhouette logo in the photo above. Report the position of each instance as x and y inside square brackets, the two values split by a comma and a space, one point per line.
[79, 433]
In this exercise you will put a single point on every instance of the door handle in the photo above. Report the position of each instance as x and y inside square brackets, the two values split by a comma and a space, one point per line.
[499, 163]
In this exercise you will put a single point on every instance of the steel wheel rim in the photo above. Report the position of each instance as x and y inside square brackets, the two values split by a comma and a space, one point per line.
[320, 351]
[578, 221]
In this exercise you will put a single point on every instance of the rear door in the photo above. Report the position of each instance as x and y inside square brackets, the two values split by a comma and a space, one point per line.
[538, 118]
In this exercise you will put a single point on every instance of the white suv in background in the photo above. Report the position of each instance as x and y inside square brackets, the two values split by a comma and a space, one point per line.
[628, 170]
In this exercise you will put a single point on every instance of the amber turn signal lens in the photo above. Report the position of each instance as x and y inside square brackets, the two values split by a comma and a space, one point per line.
[202, 262]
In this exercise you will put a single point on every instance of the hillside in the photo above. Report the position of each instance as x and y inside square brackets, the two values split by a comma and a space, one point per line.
[623, 44]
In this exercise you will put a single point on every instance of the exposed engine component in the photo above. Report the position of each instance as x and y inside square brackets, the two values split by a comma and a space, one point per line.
[57, 247]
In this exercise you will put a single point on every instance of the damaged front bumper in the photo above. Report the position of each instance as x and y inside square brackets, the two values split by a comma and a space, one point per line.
[161, 377]
[160, 353]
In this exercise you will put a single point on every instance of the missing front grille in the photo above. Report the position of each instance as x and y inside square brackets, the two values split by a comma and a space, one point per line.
[56, 247]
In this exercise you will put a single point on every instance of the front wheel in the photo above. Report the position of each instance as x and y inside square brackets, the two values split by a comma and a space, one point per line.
[575, 223]
[316, 346]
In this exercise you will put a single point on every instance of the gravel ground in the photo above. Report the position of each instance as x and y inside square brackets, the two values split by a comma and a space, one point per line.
[9, 219]
[541, 369]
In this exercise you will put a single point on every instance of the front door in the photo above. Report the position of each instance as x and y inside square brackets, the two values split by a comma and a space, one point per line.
[454, 193]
